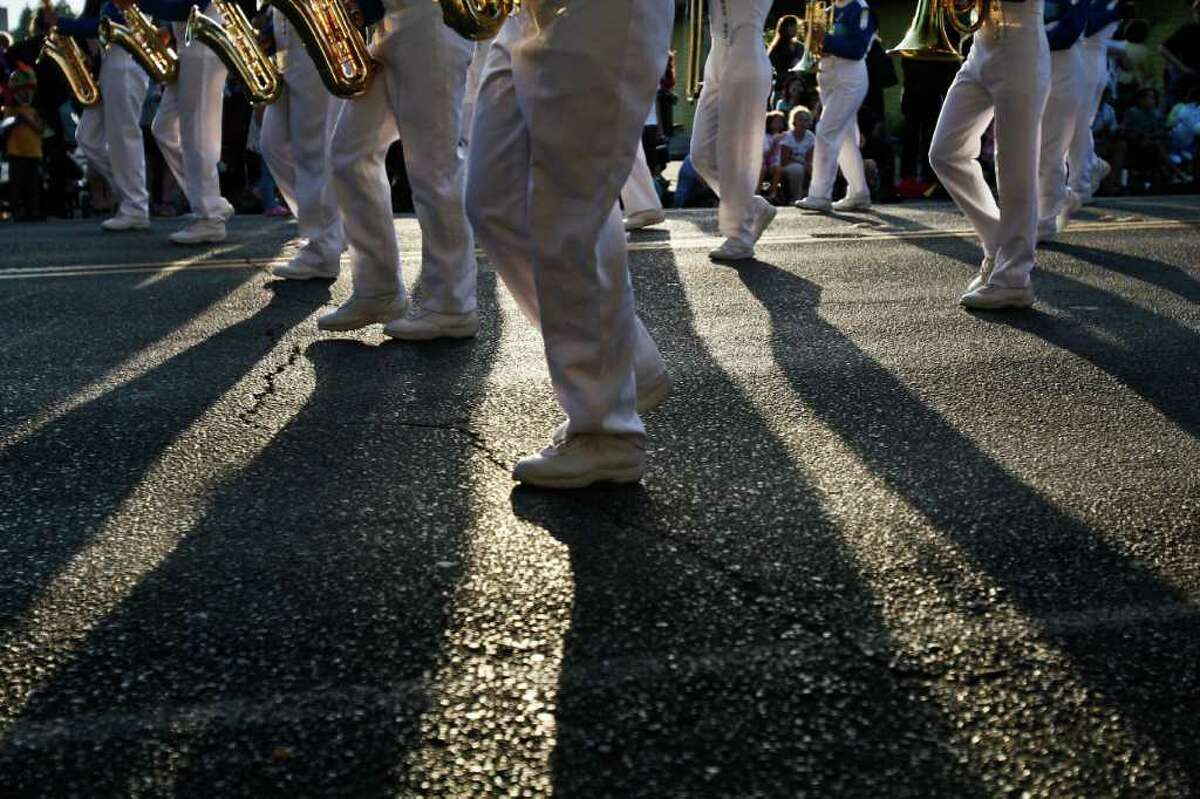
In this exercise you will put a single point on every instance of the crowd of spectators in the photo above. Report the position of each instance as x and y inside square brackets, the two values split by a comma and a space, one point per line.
[1147, 127]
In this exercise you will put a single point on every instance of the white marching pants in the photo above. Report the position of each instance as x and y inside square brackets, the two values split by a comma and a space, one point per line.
[842, 85]
[296, 133]
[474, 75]
[417, 96]
[188, 126]
[110, 135]
[1094, 67]
[1058, 128]
[727, 133]
[639, 193]
[557, 127]
[1006, 77]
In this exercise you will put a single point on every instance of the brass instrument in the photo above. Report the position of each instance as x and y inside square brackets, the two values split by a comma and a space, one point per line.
[333, 42]
[139, 36]
[477, 19]
[928, 37]
[236, 44]
[697, 11]
[816, 22]
[66, 53]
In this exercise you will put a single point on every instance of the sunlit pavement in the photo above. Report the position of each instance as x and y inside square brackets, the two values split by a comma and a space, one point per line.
[885, 547]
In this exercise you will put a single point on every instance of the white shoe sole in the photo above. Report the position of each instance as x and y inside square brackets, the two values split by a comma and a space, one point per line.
[288, 274]
[627, 475]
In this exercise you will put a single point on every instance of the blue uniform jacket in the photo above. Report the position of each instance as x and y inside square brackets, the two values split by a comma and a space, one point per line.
[1101, 14]
[1065, 22]
[88, 27]
[853, 29]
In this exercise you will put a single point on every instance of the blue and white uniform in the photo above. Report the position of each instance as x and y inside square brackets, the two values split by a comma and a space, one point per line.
[1102, 20]
[1065, 21]
[109, 135]
[728, 128]
[417, 96]
[842, 84]
[188, 124]
[1006, 77]
[296, 133]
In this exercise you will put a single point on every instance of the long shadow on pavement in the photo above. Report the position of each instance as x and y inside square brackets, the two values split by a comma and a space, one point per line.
[64, 482]
[722, 642]
[282, 647]
[1046, 561]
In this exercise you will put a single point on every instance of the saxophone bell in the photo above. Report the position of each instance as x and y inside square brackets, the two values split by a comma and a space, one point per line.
[333, 42]
[66, 53]
[236, 44]
[140, 38]
[477, 19]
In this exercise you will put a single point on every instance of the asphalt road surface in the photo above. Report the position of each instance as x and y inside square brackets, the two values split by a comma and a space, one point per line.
[885, 547]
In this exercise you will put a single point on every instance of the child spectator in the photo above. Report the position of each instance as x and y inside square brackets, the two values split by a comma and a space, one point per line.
[772, 168]
[1184, 124]
[23, 146]
[796, 149]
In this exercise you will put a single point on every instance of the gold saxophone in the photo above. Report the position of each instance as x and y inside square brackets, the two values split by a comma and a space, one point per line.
[477, 19]
[336, 47]
[65, 51]
[236, 44]
[817, 21]
[141, 39]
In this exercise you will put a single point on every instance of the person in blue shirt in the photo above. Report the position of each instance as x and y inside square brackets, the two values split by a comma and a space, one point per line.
[109, 135]
[417, 95]
[297, 131]
[187, 126]
[842, 83]
[727, 131]
[1065, 21]
[1087, 170]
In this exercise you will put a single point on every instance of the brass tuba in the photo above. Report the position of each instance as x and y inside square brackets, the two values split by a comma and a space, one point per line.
[65, 51]
[334, 44]
[237, 46]
[816, 22]
[928, 37]
[477, 19]
[139, 36]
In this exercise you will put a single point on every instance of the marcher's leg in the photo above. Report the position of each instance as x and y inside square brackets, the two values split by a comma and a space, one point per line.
[202, 85]
[124, 85]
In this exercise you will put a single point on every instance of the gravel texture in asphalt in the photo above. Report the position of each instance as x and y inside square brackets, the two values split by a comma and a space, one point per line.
[884, 546]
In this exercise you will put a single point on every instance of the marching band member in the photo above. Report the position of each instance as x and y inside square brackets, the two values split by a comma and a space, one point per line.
[639, 197]
[109, 135]
[188, 124]
[418, 95]
[842, 85]
[1005, 77]
[1087, 169]
[1065, 21]
[557, 127]
[727, 131]
[296, 133]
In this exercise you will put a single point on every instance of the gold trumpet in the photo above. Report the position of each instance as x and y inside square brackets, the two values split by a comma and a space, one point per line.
[66, 53]
[816, 22]
[236, 44]
[928, 37]
[478, 19]
[335, 45]
[141, 39]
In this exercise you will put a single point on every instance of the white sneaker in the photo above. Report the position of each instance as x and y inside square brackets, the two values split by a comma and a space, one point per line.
[227, 211]
[762, 215]
[984, 275]
[358, 312]
[650, 395]
[732, 250]
[641, 219]
[820, 204]
[993, 298]
[200, 231]
[861, 202]
[123, 222]
[422, 324]
[581, 461]
[1100, 171]
[307, 265]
